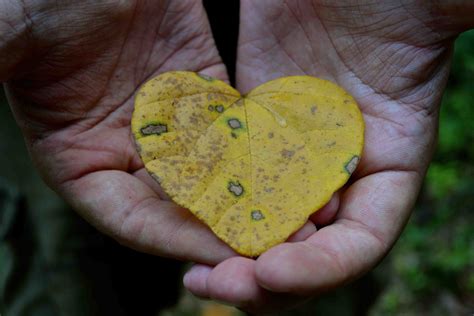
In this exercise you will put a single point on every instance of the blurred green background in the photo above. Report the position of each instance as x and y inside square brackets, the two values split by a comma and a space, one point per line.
[430, 271]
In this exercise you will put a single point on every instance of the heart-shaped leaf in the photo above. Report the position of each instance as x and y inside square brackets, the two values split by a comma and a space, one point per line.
[254, 167]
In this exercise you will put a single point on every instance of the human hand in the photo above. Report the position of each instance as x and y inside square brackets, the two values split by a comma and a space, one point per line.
[394, 59]
[72, 68]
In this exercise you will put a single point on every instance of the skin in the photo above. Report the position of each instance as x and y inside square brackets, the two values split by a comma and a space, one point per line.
[72, 95]
[71, 69]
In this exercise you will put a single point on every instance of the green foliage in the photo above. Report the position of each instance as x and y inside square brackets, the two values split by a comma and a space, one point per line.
[432, 266]
[456, 134]
[442, 179]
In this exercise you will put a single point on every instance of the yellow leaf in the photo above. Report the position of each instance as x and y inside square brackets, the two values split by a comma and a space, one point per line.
[216, 309]
[254, 167]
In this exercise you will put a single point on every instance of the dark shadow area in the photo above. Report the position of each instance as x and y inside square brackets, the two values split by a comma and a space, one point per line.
[224, 19]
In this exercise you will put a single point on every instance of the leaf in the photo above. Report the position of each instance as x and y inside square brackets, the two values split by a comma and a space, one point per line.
[254, 167]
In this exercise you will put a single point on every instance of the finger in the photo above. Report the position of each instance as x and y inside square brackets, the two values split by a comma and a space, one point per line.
[303, 233]
[125, 208]
[327, 214]
[195, 280]
[324, 216]
[230, 281]
[373, 212]
[233, 282]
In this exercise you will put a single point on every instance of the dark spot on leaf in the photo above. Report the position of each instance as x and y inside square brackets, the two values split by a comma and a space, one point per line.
[234, 123]
[270, 135]
[234, 135]
[287, 153]
[256, 215]
[314, 109]
[219, 108]
[235, 188]
[352, 164]
[154, 129]
[210, 108]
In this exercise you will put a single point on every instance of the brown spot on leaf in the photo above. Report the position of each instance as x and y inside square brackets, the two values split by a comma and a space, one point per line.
[234, 123]
[352, 164]
[285, 153]
[257, 215]
[235, 188]
[219, 108]
[154, 129]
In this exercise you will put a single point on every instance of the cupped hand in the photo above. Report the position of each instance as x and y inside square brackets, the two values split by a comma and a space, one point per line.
[394, 61]
[74, 69]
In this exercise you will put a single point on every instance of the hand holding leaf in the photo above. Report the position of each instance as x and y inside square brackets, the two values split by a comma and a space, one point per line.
[253, 167]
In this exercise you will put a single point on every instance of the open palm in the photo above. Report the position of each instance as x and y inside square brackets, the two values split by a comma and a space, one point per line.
[73, 97]
[396, 67]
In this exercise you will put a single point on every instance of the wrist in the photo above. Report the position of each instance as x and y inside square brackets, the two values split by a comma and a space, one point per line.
[14, 38]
